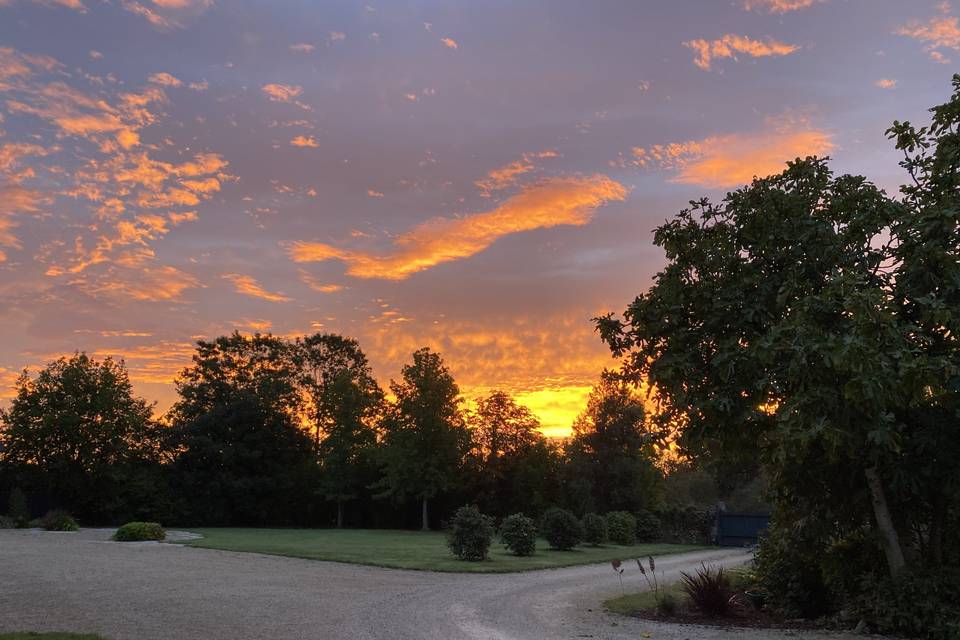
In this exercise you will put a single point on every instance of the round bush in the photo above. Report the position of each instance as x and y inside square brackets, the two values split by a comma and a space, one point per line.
[648, 527]
[519, 534]
[58, 521]
[139, 532]
[621, 527]
[470, 534]
[562, 529]
[594, 529]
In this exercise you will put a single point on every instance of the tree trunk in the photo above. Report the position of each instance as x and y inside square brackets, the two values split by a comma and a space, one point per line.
[888, 533]
[339, 514]
[424, 517]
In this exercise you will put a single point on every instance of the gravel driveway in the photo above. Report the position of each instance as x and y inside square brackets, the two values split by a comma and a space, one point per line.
[150, 591]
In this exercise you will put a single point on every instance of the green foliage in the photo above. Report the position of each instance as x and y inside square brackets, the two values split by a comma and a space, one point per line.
[77, 434]
[58, 520]
[6, 522]
[611, 455]
[562, 529]
[708, 590]
[685, 525]
[470, 533]
[922, 603]
[667, 603]
[519, 534]
[594, 529]
[621, 527]
[344, 403]
[789, 572]
[648, 526]
[17, 508]
[425, 438]
[139, 532]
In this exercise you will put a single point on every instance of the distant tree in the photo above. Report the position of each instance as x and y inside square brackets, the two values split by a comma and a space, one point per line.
[344, 403]
[513, 465]
[236, 367]
[79, 435]
[241, 454]
[611, 456]
[243, 462]
[425, 438]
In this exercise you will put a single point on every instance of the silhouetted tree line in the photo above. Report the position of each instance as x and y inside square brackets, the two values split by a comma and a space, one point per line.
[269, 431]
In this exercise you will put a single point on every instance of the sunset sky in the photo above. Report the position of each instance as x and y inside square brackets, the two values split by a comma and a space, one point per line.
[478, 177]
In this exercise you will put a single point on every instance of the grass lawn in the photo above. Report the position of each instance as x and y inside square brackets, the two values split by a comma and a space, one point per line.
[409, 549]
[48, 636]
[634, 603]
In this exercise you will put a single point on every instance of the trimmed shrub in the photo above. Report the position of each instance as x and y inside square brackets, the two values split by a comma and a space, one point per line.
[139, 532]
[470, 534]
[708, 590]
[921, 603]
[594, 529]
[18, 510]
[789, 572]
[561, 529]
[58, 520]
[519, 534]
[622, 527]
[648, 527]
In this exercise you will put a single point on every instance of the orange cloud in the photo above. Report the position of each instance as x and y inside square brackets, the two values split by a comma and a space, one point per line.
[778, 6]
[76, 5]
[735, 159]
[8, 380]
[318, 286]
[248, 286]
[506, 176]
[552, 202]
[939, 32]
[281, 92]
[165, 79]
[886, 83]
[167, 14]
[302, 47]
[149, 284]
[450, 43]
[305, 141]
[730, 45]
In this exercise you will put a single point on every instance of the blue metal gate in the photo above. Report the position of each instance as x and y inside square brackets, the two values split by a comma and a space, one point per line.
[740, 529]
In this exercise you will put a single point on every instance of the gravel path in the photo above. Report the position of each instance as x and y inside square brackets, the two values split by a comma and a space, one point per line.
[151, 591]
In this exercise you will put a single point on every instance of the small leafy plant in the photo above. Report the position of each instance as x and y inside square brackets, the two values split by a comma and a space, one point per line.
[470, 534]
[58, 520]
[139, 532]
[562, 529]
[519, 534]
[622, 527]
[594, 529]
[709, 590]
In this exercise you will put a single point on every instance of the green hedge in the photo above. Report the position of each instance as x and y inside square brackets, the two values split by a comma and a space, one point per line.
[139, 531]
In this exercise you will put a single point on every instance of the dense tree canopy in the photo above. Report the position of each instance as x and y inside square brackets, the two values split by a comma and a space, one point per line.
[808, 317]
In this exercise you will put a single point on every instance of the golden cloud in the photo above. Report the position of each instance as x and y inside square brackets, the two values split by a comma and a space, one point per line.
[281, 92]
[939, 32]
[304, 141]
[148, 284]
[735, 159]
[167, 14]
[248, 286]
[318, 286]
[778, 6]
[886, 83]
[552, 202]
[165, 79]
[730, 45]
[450, 43]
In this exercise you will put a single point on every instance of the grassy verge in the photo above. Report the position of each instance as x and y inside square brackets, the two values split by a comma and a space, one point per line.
[409, 549]
[634, 603]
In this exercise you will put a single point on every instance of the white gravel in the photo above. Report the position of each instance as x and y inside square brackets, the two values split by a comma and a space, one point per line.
[75, 582]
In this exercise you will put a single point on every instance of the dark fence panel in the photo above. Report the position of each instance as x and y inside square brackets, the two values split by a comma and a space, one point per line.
[740, 529]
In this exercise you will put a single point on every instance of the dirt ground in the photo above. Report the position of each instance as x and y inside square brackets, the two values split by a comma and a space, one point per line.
[152, 591]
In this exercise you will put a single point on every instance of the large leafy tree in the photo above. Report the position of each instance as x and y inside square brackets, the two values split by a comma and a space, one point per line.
[808, 317]
[425, 438]
[241, 455]
[79, 435]
[514, 468]
[344, 403]
[611, 456]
